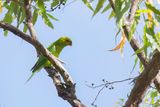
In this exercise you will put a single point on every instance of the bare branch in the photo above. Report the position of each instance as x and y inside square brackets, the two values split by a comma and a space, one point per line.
[105, 85]
[112, 4]
[95, 99]
[157, 82]
[29, 23]
[27, 7]
[64, 91]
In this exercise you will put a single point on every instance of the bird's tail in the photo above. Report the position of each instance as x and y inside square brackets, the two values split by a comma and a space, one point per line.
[33, 67]
[33, 73]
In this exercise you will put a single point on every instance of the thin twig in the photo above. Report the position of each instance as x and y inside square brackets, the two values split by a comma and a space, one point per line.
[95, 99]
[105, 85]
[110, 83]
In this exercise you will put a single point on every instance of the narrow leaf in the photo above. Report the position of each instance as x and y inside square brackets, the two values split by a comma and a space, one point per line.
[88, 4]
[106, 8]
[0, 6]
[112, 14]
[135, 63]
[121, 44]
[150, 18]
[98, 7]
[47, 21]
[52, 17]
[153, 8]
[54, 3]
[35, 16]
[140, 50]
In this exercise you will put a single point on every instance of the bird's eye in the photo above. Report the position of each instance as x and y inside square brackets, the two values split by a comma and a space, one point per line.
[68, 40]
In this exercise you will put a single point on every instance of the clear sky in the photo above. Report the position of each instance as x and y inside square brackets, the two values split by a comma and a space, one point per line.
[88, 61]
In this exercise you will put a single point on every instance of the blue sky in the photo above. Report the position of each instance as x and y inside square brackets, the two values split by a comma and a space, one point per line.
[88, 61]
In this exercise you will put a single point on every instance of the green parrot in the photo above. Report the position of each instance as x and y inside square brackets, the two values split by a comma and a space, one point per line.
[55, 48]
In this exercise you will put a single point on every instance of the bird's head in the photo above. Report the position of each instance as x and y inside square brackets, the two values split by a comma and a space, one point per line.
[64, 41]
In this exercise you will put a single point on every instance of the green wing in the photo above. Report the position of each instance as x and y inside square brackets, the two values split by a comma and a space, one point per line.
[42, 61]
[55, 48]
[39, 64]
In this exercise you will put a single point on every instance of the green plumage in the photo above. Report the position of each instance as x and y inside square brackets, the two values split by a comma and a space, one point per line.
[55, 48]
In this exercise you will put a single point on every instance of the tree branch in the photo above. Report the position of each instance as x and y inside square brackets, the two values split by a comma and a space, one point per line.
[157, 82]
[29, 23]
[132, 100]
[133, 42]
[65, 92]
[68, 80]
[106, 85]
[143, 81]
[27, 7]
[135, 46]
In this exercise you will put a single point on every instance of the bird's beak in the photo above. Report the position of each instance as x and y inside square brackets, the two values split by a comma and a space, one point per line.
[70, 44]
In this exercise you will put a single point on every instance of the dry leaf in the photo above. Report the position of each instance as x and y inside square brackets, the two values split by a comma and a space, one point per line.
[0, 6]
[150, 17]
[121, 44]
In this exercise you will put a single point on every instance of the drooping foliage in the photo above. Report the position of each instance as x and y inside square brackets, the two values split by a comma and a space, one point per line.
[147, 18]
[14, 11]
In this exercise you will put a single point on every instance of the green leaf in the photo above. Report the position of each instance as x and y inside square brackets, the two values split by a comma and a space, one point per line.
[140, 50]
[132, 30]
[135, 63]
[146, 43]
[152, 38]
[16, 9]
[52, 17]
[54, 3]
[98, 7]
[153, 94]
[157, 17]
[122, 10]
[23, 15]
[25, 28]
[47, 21]
[44, 14]
[5, 32]
[8, 18]
[141, 68]
[158, 36]
[139, 11]
[106, 8]
[112, 14]
[41, 6]
[88, 4]
[153, 8]
[12, 7]
[35, 16]
[5, 4]
[19, 17]
[118, 5]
